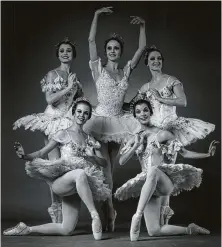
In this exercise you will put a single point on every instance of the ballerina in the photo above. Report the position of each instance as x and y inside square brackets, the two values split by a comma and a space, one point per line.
[165, 93]
[108, 122]
[157, 178]
[73, 176]
[61, 88]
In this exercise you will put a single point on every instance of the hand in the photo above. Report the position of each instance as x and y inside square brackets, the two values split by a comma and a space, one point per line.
[71, 80]
[212, 148]
[155, 93]
[106, 10]
[90, 151]
[139, 138]
[137, 20]
[19, 150]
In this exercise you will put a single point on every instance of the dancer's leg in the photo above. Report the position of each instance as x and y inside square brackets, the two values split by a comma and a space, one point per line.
[55, 210]
[70, 210]
[108, 209]
[155, 180]
[152, 219]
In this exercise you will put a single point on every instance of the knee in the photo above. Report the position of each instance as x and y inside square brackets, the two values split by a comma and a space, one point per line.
[66, 231]
[81, 175]
[154, 231]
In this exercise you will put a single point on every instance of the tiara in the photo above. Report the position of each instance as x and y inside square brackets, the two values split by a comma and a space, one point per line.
[81, 99]
[66, 40]
[117, 36]
[139, 96]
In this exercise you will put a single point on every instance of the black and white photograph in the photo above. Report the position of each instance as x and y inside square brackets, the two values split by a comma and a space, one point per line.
[111, 123]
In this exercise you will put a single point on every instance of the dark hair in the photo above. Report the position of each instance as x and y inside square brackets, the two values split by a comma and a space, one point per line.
[140, 102]
[66, 43]
[82, 102]
[148, 51]
[119, 40]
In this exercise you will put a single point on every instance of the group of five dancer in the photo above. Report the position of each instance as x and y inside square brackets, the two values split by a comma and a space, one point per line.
[77, 140]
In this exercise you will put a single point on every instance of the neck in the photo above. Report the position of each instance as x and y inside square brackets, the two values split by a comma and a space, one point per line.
[112, 65]
[156, 74]
[76, 127]
[65, 67]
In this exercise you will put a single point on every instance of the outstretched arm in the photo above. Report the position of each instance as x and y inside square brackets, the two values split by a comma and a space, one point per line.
[38, 154]
[195, 155]
[92, 34]
[142, 41]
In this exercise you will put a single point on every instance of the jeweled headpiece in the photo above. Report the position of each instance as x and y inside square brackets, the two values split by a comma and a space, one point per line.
[117, 36]
[140, 96]
[81, 99]
[66, 41]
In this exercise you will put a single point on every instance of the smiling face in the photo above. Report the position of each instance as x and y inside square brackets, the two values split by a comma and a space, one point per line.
[65, 53]
[142, 113]
[82, 113]
[155, 61]
[113, 50]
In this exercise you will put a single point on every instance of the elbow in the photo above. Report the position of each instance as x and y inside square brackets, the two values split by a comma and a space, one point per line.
[91, 40]
[121, 161]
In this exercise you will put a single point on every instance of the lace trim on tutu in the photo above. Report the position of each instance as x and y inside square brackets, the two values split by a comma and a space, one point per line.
[45, 123]
[183, 177]
[50, 170]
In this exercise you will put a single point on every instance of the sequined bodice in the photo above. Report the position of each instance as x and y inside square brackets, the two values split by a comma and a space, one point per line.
[58, 84]
[162, 113]
[72, 149]
[111, 94]
[152, 153]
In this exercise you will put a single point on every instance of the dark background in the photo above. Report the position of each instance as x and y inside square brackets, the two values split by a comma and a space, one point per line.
[188, 34]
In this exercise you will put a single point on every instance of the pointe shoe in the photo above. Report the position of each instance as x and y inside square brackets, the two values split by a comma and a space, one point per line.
[166, 214]
[194, 229]
[55, 212]
[111, 222]
[135, 227]
[18, 230]
[96, 227]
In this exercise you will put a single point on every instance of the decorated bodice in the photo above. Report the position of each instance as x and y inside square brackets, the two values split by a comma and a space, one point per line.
[153, 153]
[163, 113]
[70, 148]
[56, 85]
[110, 93]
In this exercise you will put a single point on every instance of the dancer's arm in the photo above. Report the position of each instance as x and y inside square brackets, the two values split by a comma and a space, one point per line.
[195, 155]
[142, 41]
[51, 97]
[129, 150]
[38, 154]
[95, 156]
[178, 91]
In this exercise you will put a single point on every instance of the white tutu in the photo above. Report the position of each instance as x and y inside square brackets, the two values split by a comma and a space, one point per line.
[50, 170]
[183, 177]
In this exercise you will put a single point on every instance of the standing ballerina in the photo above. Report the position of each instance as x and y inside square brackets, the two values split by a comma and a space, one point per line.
[157, 178]
[61, 88]
[73, 176]
[108, 122]
[165, 93]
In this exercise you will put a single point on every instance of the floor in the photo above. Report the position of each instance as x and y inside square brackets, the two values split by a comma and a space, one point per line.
[120, 238]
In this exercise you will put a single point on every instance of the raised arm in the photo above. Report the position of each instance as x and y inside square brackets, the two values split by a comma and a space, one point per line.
[92, 34]
[142, 40]
[51, 97]
[178, 91]
[195, 155]
[38, 154]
